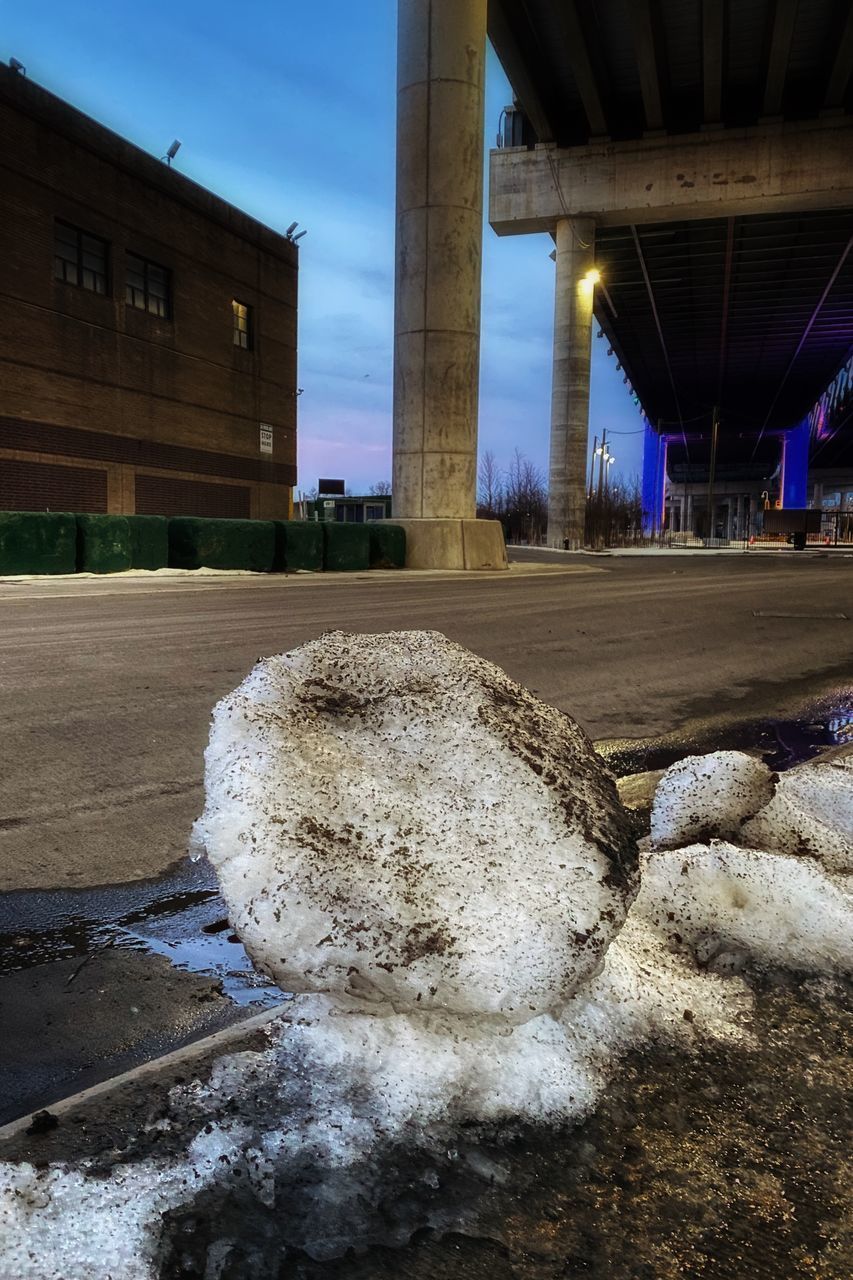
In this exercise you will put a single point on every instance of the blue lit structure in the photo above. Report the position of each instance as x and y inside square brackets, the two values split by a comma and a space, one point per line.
[795, 465]
[654, 479]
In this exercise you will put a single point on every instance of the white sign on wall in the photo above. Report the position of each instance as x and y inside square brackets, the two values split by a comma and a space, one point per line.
[266, 437]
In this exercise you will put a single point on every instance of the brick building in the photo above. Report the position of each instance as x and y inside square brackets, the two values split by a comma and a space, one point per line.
[147, 329]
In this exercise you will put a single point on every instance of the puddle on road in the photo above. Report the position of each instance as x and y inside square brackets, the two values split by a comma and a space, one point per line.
[166, 917]
[782, 743]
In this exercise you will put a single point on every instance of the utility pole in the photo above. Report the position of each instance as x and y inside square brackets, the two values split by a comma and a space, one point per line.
[601, 464]
[592, 468]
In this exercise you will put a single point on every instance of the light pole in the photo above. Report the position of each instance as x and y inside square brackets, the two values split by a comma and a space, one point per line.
[609, 460]
[592, 468]
[605, 461]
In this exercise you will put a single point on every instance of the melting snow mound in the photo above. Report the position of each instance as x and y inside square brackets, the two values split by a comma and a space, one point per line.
[439, 864]
[393, 818]
[810, 814]
[726, 901]
[711, 796]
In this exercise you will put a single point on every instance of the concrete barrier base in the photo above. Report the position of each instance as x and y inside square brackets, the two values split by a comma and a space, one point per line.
[454, 544]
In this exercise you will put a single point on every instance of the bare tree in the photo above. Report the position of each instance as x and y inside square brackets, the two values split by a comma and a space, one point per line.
[382, 489]
[526, 500]
[614, 517]
[490, 485]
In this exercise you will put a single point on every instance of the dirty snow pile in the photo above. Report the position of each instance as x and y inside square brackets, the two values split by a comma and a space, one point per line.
[438, 865]
[394, 818]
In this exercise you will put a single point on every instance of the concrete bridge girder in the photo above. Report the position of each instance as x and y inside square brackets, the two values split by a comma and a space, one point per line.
[773, 167]
[776, 167]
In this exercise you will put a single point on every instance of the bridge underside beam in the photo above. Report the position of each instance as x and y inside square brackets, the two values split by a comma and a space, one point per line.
[774, 168]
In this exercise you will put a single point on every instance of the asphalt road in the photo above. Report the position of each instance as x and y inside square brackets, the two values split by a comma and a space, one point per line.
[107, 685]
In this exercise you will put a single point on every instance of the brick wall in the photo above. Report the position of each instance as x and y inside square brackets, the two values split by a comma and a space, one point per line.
[77, 367]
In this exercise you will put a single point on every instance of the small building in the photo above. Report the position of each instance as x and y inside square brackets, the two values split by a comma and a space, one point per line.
[147, 329]
[355, 509]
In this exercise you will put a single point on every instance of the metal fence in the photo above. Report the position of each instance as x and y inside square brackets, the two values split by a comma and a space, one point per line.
[835, 530]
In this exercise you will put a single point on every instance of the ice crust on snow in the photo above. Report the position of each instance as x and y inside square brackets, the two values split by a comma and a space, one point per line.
[393, 817]
[380, 735]
[711, 796]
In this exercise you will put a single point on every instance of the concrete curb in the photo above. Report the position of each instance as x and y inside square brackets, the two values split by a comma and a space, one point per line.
[220, 1041]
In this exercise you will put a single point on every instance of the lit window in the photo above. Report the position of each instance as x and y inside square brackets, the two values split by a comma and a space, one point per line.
[242, 316]
[79, 258]
[147, 287]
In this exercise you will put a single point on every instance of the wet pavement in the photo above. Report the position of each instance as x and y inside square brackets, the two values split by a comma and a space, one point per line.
[815, 728]
[93, 981]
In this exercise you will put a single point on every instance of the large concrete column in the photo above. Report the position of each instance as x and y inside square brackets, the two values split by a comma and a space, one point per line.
[570, 386]
[440, 97]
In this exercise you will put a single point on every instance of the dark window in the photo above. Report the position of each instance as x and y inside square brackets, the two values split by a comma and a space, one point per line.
[374, 512]
[148, 287]
[79, 258]
[242, 316]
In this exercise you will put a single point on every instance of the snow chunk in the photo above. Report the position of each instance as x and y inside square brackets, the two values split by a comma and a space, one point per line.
[378, 1076]
[811, 814]
[701, 797]
[779, 910]
[394, 818]
[61, 1224]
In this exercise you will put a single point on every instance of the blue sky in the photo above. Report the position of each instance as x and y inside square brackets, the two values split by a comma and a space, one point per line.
[288, 110]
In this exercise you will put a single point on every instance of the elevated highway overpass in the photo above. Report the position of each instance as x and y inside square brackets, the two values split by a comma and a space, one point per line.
[692, 161]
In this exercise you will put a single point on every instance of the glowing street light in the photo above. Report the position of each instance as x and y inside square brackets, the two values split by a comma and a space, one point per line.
[590, 280]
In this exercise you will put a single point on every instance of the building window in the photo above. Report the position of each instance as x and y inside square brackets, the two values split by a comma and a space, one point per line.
[148, 287]
[374, 512]
[79, 258]
[242, 317]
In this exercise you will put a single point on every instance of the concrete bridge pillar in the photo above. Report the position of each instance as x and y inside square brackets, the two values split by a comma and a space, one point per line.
[574, 292]
[440, 101]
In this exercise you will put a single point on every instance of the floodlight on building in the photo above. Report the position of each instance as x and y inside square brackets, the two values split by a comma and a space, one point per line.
[301, 234]
[17, 66]
[172, 152]
[290, 230]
